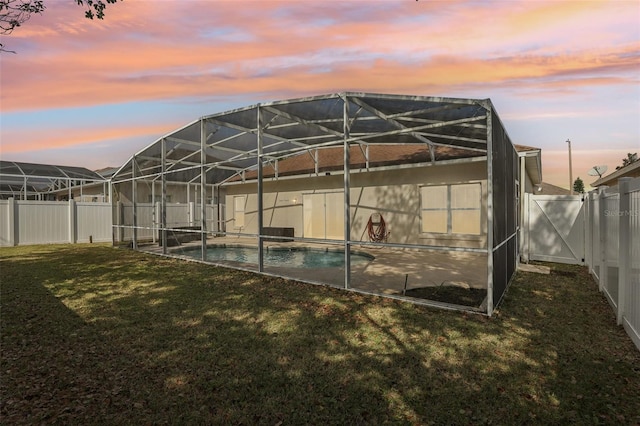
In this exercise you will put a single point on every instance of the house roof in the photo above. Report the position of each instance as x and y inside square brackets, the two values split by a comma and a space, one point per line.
[525, 148]
[281, 129]
[533, 162]
[630, 170]
[331, 158]
[545, 188]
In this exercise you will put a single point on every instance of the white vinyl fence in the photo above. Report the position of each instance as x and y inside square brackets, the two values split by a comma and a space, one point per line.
[600, 229]
[24, 222]
[613, 249]
[147, 221]
[554, 226]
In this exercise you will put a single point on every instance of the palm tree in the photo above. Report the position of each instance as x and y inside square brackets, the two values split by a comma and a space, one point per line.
[631, 158]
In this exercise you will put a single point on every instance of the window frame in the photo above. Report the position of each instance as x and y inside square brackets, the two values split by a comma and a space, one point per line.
[450, 210]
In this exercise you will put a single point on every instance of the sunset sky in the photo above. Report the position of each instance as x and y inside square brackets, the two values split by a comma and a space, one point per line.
[92, 93]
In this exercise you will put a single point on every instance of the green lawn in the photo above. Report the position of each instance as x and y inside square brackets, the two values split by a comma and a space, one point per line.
[96, 335]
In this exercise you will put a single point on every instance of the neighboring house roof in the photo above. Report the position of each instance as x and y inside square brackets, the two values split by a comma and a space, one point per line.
[533, 162]
[545, 188]
[107, 172]
[525, 148]
[631, 170]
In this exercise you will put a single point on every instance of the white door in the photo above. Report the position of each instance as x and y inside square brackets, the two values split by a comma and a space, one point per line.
[323, 215]
[555, 228]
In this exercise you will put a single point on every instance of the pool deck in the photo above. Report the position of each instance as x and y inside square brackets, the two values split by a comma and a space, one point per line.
[386, 274]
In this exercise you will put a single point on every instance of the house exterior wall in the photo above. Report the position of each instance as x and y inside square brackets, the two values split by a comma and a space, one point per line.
[176, 193]
[528, 185]
[395, 194]
[89, 193]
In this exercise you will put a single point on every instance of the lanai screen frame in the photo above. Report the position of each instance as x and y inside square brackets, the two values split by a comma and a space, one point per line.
[221, 147]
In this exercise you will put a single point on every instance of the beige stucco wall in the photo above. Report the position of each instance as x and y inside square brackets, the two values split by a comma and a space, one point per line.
[393, 193]
[100, 191]
[176, 193]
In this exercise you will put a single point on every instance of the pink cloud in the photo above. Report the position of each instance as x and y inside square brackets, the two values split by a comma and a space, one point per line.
[553, 52]
[75, 80]
[80, 55]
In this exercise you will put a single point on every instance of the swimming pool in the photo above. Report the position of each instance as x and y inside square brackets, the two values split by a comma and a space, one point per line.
[294, 257]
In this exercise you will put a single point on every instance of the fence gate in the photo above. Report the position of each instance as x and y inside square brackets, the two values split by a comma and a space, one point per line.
[555, 228]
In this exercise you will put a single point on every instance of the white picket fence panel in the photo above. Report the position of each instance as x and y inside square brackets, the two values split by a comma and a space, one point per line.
[613, 249]
[25, 222]
[93, 222]
[555, 228]
[603, 233]
[6, 224]
[148, 222]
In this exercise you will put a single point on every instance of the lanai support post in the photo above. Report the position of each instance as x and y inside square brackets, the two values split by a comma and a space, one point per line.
[347, 195]
[134, 195]
[260, 190]
[490, 215]
[163, 203]
[110, 188]
[156, 210]
[203, 186]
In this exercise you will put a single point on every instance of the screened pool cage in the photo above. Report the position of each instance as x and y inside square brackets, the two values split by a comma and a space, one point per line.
[409, 197]
[42, 182]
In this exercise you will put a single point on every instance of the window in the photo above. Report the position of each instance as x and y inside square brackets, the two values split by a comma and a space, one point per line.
[451, 209]
[238, 211]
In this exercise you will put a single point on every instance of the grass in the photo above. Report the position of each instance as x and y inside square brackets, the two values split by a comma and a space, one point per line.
[96, 335]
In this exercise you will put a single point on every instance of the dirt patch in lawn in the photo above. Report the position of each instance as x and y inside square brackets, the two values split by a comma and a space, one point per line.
[450, 294]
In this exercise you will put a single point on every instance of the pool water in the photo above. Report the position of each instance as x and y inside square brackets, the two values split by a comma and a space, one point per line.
[289, 257]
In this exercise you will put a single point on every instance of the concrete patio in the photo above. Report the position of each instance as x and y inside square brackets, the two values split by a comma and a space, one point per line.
[386, 274]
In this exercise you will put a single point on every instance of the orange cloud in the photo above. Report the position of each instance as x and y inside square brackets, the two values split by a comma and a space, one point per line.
[142, 53]
[202, 50]
[532, 16]
[81, 81]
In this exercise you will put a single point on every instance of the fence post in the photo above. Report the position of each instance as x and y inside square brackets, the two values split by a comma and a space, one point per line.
[595, 213]
[157, 214]
[72, 221]
[525, 225]
[602, 255]
[120, 218]
[624, 245]
[192, 213]
[11, 216]
[587, 230]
